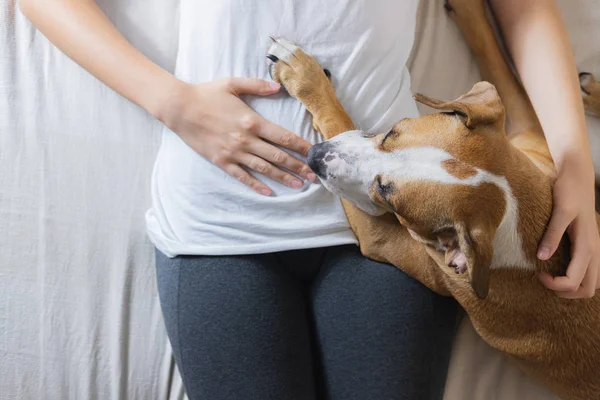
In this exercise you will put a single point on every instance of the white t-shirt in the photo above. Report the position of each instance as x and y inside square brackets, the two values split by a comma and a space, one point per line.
[196, 207]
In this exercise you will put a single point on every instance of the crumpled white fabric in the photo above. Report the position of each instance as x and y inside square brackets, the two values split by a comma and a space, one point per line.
[79, 311]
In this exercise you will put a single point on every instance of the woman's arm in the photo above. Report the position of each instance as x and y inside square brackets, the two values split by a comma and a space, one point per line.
[81, 30]
[538, 42]
[209, 117]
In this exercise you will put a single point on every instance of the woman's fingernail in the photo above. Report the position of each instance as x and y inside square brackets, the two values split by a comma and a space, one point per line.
[274, 85]
[266, 192]
[544, 253]
[311, 177]
[296, 183]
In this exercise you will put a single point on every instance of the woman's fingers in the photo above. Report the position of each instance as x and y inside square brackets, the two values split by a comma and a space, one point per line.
[281, 158]
[556, 229]
[267, 169]
[254, 152]
[282, 137]
[239, 155]
[224, 130]
[244, 177]
[587, 288]
[255, 86]
[581, 278]
[571, 283]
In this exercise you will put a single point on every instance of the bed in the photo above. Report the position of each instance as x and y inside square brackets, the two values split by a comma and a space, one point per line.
[79, 310]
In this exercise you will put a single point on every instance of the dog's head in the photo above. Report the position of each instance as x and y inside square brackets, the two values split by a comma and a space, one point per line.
[441, 175]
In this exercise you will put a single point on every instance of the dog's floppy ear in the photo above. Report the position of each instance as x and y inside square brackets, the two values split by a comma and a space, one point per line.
[471, 251]
[482, 105]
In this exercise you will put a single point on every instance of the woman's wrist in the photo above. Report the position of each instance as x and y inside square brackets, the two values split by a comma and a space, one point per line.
[166, 102]
[574, 155]
[576, 162]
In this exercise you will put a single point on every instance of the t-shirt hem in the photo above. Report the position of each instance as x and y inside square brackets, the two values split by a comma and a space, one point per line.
[175, 250]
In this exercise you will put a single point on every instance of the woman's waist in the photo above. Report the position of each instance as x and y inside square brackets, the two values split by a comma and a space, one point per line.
[374, 100]
[202, 202]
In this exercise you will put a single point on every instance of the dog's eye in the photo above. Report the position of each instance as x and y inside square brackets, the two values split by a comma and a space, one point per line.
[368, 135]
[456, 113]
[387, 135]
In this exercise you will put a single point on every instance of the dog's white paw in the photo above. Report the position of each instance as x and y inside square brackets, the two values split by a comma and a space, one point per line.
[297, 71]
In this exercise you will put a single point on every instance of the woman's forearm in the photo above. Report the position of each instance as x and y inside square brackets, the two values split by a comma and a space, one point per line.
[210, 117]
[81, 30]
[538, 42]
[539, 45]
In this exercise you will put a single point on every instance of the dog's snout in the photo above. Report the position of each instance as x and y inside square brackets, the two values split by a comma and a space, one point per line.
[316, 158]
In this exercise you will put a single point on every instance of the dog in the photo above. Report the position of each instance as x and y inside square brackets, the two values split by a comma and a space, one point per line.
[459, 200]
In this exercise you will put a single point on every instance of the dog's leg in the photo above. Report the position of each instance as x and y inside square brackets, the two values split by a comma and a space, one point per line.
[304, 79]
[522, 124]
[590, 90]
[381, 238]
[591, 93]
[471, 19]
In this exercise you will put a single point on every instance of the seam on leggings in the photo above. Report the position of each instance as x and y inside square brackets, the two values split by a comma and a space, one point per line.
[324, 261]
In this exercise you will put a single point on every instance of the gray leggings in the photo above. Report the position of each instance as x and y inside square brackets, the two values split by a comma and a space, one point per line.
[306, 324]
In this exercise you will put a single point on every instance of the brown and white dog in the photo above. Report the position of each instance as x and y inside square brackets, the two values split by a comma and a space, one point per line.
[460, 200]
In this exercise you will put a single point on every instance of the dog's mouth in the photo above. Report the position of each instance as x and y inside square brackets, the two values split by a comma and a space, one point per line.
[458, 261]
[340, 157]
[346, 172]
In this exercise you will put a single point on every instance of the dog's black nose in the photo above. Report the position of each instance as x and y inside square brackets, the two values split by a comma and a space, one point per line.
[316, 158]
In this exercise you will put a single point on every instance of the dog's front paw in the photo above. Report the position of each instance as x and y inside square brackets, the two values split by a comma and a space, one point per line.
[590, 89]
[297, 71]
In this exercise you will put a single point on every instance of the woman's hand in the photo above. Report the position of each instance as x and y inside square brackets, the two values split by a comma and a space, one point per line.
[217, 124]
[574, 213]
[209, 117]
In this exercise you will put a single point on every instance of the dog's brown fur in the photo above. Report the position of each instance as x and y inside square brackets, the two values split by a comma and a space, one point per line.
[590, 89]
[556, 341]
[591, 93]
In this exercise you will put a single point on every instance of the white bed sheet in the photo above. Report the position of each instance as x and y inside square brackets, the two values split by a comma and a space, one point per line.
[79, 312]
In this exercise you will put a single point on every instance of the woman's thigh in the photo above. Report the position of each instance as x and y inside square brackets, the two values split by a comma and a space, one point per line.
[238, 327]
[380, 333]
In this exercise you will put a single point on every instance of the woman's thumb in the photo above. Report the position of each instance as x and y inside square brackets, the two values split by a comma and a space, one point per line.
[554, 232]
[255, 86]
